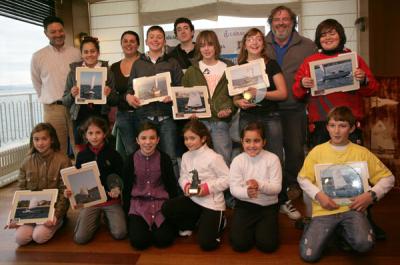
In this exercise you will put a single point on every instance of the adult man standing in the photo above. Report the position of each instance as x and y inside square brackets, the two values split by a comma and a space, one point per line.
[49, 70]
[289, 49]
[184, 51]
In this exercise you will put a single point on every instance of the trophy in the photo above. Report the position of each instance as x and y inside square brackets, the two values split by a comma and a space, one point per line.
[194, 186]
[248, 96]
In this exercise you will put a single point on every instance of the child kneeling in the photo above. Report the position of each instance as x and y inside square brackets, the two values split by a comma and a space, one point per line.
[327, 215]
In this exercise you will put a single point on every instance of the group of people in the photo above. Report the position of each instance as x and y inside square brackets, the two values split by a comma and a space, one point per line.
[156, 201]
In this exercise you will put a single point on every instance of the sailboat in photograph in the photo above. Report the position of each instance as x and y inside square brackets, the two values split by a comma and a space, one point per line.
[155, 90]
[91, 89]
[32, 204]
[332, 74]
[194, 103]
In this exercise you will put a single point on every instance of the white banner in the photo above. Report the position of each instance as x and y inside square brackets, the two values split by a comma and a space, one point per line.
[229, 39]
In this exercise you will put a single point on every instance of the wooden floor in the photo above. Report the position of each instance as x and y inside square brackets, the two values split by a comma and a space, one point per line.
[104, 250]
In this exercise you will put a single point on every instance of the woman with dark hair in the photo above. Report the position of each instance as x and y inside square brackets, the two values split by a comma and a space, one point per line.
[330, 39]
[90, 51]
[125, 126]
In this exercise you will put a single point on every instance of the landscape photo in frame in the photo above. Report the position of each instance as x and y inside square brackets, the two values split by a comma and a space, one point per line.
[242, 77]
[91, 83]
[341, 182]
[84, 184]
[152, 88]
[33, 207]
[189, 101]
[334, 74]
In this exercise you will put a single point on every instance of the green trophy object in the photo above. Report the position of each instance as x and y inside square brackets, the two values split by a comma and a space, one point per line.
[194, 186]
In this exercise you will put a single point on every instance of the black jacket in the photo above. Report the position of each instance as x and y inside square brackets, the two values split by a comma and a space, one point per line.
[108, 160]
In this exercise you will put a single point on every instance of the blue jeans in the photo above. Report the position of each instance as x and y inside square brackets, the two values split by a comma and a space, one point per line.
[356, 231]
[272, 127]
[127, 128]
[89, 221]
[221, 138]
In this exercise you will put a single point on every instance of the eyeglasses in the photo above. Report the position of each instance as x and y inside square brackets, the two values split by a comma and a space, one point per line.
[284, 19]
[254, 39]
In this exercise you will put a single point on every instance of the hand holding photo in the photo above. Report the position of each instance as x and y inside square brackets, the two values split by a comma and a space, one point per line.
[152, 88]
[91, 83]
[85, 185]
[341, 182]
[242, 77]
[334, 74]
[32, 207]
[189, 101]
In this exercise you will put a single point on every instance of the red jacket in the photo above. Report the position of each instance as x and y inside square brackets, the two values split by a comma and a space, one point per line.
[319, 106]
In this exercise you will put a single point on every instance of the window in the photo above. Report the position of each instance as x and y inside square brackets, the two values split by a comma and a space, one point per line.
[19, 40]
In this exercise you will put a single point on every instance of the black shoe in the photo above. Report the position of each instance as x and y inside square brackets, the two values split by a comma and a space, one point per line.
[302, 223]
[380, 234]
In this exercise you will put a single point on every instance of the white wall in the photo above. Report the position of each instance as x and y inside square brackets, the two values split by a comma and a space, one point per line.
[108, 19]
[344, 11]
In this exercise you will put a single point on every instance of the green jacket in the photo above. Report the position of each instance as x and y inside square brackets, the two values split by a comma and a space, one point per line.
[220, 99]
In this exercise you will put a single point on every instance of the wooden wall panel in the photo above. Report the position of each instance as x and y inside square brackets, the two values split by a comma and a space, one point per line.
[384, 37]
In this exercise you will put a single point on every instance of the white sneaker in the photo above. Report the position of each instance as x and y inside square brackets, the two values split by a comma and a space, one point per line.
[185, 232]
[290, 210]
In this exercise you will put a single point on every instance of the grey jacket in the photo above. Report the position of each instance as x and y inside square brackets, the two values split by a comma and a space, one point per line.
[299, 49]
[69, 101]
[144, 67]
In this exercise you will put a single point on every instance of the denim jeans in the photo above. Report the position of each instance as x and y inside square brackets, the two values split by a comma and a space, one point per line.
[272, 127]
[221, 138]
[89, 221]
[127, 128]
[356, 231]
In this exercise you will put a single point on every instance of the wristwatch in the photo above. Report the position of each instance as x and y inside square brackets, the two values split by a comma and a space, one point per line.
[373, 196]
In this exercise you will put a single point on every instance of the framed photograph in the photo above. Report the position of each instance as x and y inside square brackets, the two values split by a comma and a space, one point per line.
[242, 77]
[152, 88]
[85, 185]
[91, 83]
[190, 100]
[334, 74]
[33, 207]
[342, 181]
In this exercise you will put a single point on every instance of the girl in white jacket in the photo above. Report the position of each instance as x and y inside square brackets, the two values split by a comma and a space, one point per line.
[255, 181]
[203, 204]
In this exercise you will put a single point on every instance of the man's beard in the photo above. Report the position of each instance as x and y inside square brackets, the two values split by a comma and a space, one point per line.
[282, 36]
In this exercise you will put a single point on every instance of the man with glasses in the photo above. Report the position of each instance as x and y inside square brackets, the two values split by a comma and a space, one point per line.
[289, 49]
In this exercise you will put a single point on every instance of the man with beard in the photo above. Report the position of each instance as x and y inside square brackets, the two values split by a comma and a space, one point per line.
[289, 49]
[49, 70]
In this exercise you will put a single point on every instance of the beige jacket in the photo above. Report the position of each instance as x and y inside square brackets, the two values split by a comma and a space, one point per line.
[43, 172]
